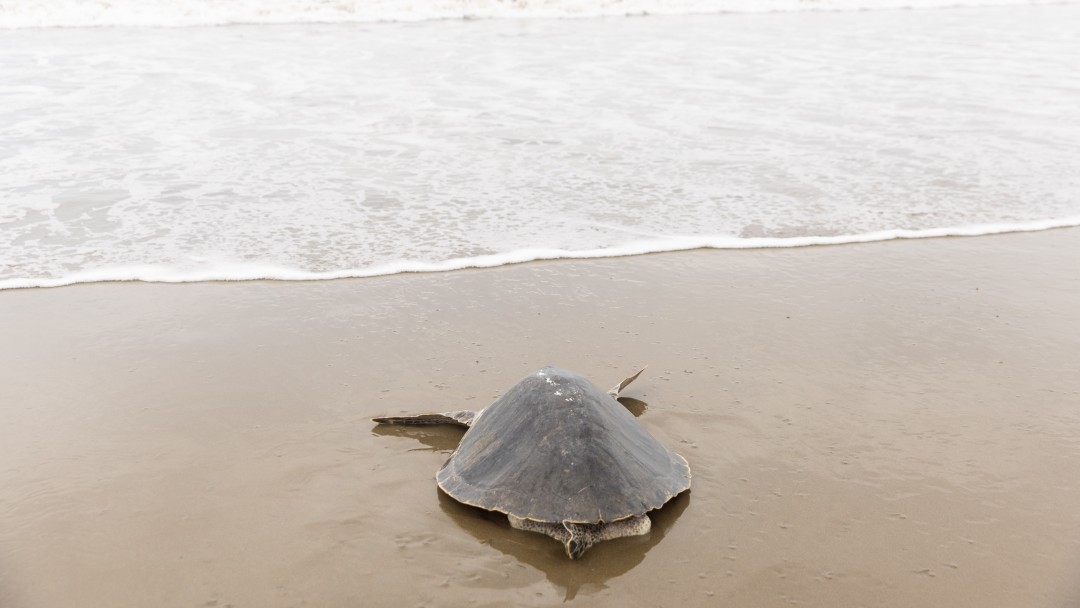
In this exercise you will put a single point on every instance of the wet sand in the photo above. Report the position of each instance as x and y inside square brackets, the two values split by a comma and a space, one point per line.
[891, 424]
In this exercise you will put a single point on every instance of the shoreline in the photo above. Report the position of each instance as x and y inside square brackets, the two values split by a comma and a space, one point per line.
[888, 425]
[240, 272]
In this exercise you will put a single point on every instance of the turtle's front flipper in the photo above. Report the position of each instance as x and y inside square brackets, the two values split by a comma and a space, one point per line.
[615, 390]
[461, 418]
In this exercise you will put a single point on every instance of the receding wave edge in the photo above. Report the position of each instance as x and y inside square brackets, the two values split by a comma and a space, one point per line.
[256, 272]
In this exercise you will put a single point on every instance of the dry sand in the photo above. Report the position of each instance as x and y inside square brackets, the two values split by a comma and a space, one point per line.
[893, 424]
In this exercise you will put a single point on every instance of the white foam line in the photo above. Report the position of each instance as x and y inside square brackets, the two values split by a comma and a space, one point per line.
[200, 13]
[257, 272]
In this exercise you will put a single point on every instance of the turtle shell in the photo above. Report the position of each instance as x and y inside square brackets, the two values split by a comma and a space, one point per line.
[556, 448]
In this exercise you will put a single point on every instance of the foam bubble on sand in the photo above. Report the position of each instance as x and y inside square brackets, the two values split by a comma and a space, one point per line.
[226, 271]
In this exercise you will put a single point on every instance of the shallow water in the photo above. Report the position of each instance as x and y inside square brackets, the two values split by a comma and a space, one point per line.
[185, 13]
[274, 151]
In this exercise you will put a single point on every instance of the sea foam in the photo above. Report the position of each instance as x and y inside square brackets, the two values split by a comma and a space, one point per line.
[324, 151]
[185, 13]
[255, 272]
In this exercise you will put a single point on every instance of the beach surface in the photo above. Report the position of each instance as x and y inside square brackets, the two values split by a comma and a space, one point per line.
[890, 424]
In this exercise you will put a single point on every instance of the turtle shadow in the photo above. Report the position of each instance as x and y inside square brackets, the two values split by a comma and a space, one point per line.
[637, 407]
[589, 574]
[437, 438]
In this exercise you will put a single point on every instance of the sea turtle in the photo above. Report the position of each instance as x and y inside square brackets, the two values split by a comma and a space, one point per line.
[561, 457]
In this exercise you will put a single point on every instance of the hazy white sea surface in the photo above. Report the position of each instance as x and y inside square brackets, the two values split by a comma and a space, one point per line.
[313, 151]
[180, 13]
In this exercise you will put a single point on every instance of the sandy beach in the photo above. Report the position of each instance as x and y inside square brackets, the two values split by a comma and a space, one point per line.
[890, 424]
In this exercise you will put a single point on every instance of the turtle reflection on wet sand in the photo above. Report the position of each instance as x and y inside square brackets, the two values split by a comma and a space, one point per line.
[561, 457]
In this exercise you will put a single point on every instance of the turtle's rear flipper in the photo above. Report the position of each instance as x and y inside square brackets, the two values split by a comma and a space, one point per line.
[582, 536]
[615, 390]
[461, 418]
[577, 538]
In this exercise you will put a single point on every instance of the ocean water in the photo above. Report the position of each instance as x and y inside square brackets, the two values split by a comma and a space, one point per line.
[183, 13]
[393, 137]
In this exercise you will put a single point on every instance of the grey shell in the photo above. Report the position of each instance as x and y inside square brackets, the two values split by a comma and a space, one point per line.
[556, 448]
